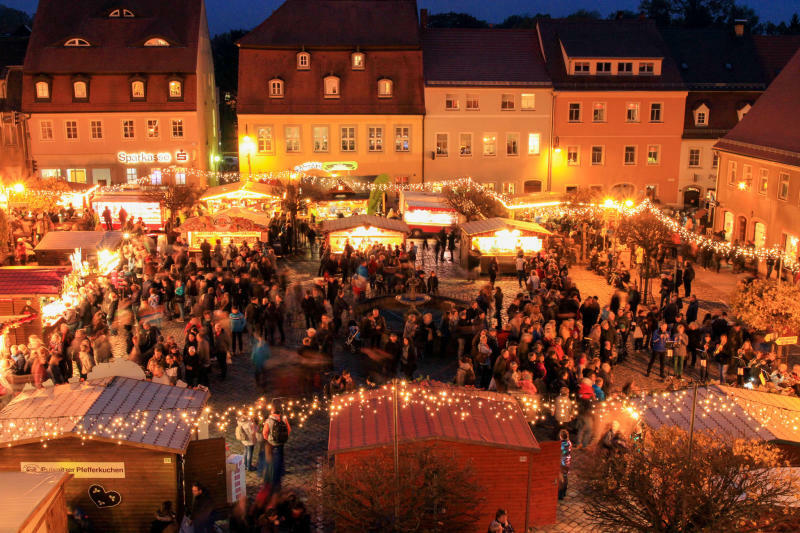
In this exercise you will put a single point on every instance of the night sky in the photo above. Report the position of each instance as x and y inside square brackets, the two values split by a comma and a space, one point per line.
[229, 14]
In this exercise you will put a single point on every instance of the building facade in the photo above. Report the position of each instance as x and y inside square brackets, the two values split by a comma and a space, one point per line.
[14, 156]
[334, 88]
[618, 110]
[758, 186]
[488, 109]
[119, 94]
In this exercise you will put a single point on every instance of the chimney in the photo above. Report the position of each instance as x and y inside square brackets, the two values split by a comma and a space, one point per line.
[423, 19]
[738, 27]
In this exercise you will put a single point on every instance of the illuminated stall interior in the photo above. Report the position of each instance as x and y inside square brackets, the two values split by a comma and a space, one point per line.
[24, 291]
[502, 238]
[362, 231]
[135, 203]
[341, 201]
[252, 194]
[427, 212]
[235, 225]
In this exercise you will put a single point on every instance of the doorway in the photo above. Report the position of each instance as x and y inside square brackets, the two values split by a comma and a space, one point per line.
[691, 197]
[741, 234]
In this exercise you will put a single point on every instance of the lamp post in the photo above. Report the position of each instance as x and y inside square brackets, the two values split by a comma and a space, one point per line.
[248, 147]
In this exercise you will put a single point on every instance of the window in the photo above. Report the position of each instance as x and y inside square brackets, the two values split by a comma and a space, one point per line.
[46, 130]
[465, 144]
[759, 234]
[655, 112]
[573, 156]
[599, 112]
[77, 42]
[131, 175]
[402, 138]
[156, 41]
[597, 155]
[331, 86]
[180, 176]
[51, 173]
[9, 134]
[76, 175]
[137, 90]
[489, 185]
[320, 135]
[632, 112]
[653, 154]
[701, 116]
[385, 88]
[715, 160]
[490, 144]
[275, 88]
[71, 128]
[604, 67]
[574, 112]
[528, 102]
[532, 186]
[512, 144]
[375, 138]
[747, 176]
[509, 188]
[357, 61]
[2, 89]
[128, 129]
[303, 61]
[96, 127]
[783, 186]
[581, 67]
[694, 157]
[127, 13]
[175, 89]
[264, 140]
[507, 102]
[42, 90]
[534, 140]
[348, 136]
[80, 90]
[152, 128]
[646, 68]
[451, 102]
[731, 172]
[763, 181]
[625, 68]
[441, 145]
[630, 155]
[292, 136]
[472, 102]
[742, 111]
[177, 128]
[155, 176]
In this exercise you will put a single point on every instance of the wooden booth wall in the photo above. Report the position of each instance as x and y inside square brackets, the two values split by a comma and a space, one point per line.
[50, 519]
[14, 306]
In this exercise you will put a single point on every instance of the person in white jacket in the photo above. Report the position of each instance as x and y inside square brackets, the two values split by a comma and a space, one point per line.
[247, 434]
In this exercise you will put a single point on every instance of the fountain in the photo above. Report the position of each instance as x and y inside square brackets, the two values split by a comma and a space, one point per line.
[411, 298]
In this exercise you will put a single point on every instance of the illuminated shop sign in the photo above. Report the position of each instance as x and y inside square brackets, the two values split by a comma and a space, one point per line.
[135, 158]
[327, 166]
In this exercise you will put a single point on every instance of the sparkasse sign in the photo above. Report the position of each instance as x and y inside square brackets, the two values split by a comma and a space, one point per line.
[135, 158]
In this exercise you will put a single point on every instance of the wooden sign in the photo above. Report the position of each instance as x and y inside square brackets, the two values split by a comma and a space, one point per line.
[784, 341]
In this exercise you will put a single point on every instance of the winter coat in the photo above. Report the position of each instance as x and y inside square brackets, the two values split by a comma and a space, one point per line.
[246, 432]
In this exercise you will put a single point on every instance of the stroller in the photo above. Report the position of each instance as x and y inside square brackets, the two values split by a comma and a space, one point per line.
[353, 341]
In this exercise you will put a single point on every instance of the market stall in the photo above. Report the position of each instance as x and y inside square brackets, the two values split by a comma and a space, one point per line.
[502, 238]
[24, 290]
[240, 194]
[58, 247]
[361, 231]
[33, 502]
[427, 213]
[135, 203]
[341, 201]
[235, 225]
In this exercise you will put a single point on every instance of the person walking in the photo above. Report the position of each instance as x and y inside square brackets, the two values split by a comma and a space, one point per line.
[238, 326]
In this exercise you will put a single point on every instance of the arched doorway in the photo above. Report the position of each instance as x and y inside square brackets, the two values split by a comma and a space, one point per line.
[691, 197]
[741, 233]
[759, 234]
[727, 225]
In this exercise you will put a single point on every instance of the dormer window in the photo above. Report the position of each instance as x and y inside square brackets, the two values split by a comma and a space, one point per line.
[742, 111]
[624, 67]
[138, 90]
[646, 68]
[331, 86]
[385, 88]
[303, 61]
[42, 88]
[156, 41]
[276, 88]
[117, 13]
[701, 114]
[357, 61]
[80, 90]
[604, 67]
[175, 89]
[580, 67]
[77, 41]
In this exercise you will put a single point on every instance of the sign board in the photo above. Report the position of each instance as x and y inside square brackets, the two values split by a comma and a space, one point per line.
[769, 337]
[79, 469]
[327, 166]
[135, 158]
[785, 341]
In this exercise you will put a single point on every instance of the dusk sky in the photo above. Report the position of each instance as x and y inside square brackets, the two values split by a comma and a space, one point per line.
[229, 14]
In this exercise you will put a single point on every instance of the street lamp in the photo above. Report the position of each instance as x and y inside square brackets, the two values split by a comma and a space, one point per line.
[248, 147]
[19, 188]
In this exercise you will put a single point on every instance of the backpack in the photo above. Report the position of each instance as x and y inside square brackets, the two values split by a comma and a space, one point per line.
[279, 432]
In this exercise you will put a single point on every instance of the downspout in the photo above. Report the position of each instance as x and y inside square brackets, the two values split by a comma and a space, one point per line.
[550, 146]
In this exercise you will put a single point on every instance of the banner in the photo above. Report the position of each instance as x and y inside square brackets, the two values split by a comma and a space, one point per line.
[76, 468]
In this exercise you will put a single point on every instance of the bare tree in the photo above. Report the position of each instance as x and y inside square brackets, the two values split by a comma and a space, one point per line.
[647, 232]
[437, 493]
[581, 217]
[173, 197]
[657, 485]
[474, 203]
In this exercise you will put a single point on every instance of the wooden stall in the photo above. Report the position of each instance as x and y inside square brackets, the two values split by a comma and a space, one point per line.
[57, 247]
[252, 194]
[25, 290]
[502, 238]
[231, 225]
[427, 213]
[341, 201]
[33, 503]
[364, 230]
[135, 202]
[516, 472]
[125, 442]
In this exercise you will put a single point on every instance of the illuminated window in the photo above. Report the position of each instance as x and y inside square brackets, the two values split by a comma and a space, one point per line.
[507, 102]
[46, 130]
[402, 138]
[96, 127]
[763, 181]
[331, 86]
[512, 144]
[175, 89]
[489, 144]
[694, 157]
[630, 155]
[292, 136]
[632, 112]
[347, 136]
[264, 139]
[156, 41]
[275, 88]
[580, 67]
[320, 138]
[128, 129]
[528, 102]
[451, 102]
[76, 175]
[117, 13]
[77, 42]
[152, 128]
[575, 112]
[715, 160]
[155, 176]
[597, 155]
[303, 61]
[137, 90]
[646, 68]
[80, 90]
[375, 138]
[473, 103]
[177, 128]
[71, 129]
[653, 154]
[534, 140]
[731, 172]
[441, 144]
[747, 176]
[599, 112]
[465, 144]
[131, 175]
[42, 90]
[701, 115]
[783, 186]
[385, 88]
[357, 61]
[573, 156]
[509, 188]
[180, 176]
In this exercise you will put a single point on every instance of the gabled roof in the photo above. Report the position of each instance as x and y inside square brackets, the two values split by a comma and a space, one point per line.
[88, 241]
[337, 24]
[606, 38]
[769, 130]
[775, 51]
[339, 224]
[240, 190]
[233, 219]
[495, 224]
[458, 56]
[24, 280]
[116, 42]
[429, 412]
[114, 409]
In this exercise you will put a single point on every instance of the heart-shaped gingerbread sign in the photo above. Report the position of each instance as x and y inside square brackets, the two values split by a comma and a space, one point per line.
[103, 498]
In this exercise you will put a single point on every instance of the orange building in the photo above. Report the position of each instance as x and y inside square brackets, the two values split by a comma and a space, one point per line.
[618, 108]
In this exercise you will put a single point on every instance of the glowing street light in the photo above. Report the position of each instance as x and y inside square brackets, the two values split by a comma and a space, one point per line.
[18, 188]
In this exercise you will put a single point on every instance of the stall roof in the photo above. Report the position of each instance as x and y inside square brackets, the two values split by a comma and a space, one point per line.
[421, 199]
[85, 240]
[22, 494]
[132, 195]
[495, 224]
[152, 414]
[339, 224]
[247, 219]
[478, 417]
[239, 189]
[45, 281]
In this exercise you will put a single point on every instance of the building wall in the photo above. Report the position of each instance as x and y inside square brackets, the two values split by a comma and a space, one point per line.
[13, 149]
[614, 134]
[399, 165]
[743, 208]
[703, 176]
[503, 169]
[207, 106]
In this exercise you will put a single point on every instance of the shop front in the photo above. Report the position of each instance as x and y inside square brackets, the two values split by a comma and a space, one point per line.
[427, 213]
[364, 231]
[234, 225]
[502, 238]
[136, 204]
[245, 194]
